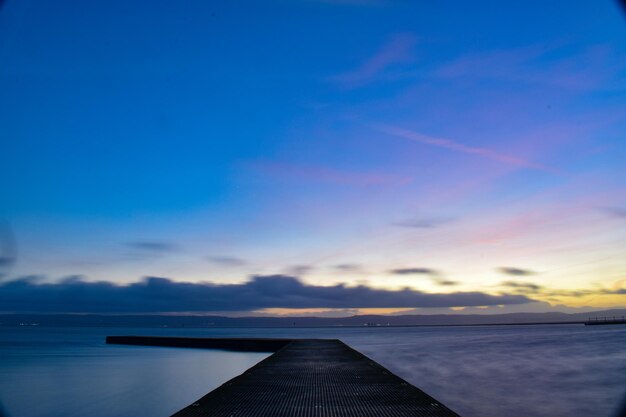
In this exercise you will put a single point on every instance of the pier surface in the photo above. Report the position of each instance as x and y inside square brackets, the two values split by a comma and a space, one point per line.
[304, 378]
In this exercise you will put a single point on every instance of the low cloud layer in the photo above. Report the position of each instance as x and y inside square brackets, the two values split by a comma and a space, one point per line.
[162, 295]
[531, 289]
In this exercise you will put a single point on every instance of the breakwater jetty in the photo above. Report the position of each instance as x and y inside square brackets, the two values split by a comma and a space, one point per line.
[605, 320]
[232, 344]
[303, 378]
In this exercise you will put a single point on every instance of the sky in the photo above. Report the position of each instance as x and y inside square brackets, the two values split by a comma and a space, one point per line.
[314, 156]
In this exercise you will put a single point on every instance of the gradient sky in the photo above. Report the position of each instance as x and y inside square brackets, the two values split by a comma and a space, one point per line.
[447, 147]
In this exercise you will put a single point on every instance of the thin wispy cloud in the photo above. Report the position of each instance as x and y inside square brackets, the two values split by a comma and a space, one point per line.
[399, 49]
[348, 267]
[549, 65]
[291, 172]
[444, 282]
[501, 63]
[227, 260]
[153, 246]
[299, 270]
[522, 287]
[459, 147]
[433, 274]
[414, 271]
[518, 272]
[423, 222]
[617, 212]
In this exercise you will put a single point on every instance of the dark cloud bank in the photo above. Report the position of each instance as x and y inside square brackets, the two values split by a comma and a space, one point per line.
[162, 295]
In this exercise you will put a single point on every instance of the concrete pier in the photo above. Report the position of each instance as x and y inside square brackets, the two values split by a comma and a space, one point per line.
[306, 378]
[247, 344]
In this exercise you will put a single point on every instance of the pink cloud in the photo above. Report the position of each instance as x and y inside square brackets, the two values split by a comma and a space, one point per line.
[545, 222]
[398, 50]
[459, 147]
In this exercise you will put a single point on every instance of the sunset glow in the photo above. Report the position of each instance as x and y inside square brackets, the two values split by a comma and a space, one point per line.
[380, 146]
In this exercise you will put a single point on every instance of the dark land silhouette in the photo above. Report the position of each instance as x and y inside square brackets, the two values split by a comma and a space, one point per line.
[359, 320]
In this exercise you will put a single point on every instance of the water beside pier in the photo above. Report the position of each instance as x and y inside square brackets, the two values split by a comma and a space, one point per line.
[535, 371]
[70, 373]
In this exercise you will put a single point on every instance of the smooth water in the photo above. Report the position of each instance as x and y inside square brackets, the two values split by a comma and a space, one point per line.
[67, 372]
[534, 371]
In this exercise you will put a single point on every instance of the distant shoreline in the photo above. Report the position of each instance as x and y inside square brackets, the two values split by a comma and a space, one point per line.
[328, 326]
[365, 321]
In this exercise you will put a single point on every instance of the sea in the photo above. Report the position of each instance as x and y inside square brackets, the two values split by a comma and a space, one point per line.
[478, 371]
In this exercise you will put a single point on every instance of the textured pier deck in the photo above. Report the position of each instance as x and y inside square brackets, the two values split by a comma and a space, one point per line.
[307, 378]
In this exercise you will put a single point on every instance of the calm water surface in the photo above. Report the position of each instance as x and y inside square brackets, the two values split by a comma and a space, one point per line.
[67, 372]
[534, 371]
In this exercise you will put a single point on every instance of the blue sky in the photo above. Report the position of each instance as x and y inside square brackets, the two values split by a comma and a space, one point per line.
[333, 141]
